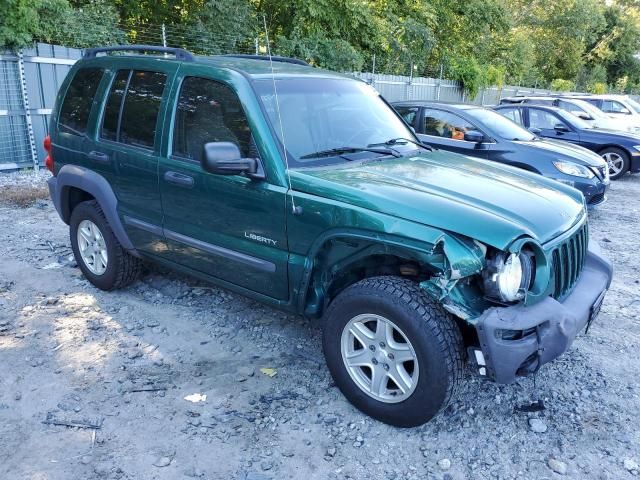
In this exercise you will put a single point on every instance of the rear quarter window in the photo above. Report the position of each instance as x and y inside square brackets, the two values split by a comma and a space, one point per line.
[76, 106]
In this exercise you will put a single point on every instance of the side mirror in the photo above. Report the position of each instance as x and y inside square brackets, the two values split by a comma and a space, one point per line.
[560, 127]
[535, 131]
[224, 158]
[473, 136]
[584, 116]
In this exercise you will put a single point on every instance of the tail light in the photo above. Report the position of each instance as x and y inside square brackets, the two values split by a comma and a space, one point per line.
[48, 161]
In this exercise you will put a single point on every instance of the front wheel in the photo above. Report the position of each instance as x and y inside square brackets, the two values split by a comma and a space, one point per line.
[617, 161]
[393, 352]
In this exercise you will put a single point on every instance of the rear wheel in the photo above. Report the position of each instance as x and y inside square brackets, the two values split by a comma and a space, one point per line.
[392, 351]
[617, 161]
[103, 261]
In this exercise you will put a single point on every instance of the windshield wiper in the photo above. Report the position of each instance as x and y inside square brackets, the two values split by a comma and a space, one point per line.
[340, 150]
[399, 140]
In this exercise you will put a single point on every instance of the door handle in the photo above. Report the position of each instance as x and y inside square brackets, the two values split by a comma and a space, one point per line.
[99, 157]
[179, 179]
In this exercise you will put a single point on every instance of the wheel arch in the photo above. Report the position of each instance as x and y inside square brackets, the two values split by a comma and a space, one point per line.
[75, 184]
[342, 258]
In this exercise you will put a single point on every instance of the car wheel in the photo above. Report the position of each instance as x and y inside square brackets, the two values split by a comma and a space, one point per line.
[617, 160]
[97, 251]
[393, 352]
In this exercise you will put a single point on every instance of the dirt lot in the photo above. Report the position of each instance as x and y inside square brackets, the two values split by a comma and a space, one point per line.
[119, 365]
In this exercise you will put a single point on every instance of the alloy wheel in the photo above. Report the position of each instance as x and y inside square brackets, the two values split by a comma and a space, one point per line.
[615, 163]
[92, 247]
[379, 358]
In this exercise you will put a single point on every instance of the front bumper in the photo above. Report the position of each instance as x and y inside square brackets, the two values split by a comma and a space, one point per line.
[547, 329]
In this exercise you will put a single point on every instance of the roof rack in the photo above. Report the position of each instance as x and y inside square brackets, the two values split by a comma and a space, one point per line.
[180, 53]
[275, 58]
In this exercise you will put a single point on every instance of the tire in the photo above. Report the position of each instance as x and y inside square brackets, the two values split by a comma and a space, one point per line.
[121, 268]
[618, 161]
[430, 332]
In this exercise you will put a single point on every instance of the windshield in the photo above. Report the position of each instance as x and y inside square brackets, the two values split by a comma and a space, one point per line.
[633, 104]
[573, 120]
[500, 126]
[593, 111]
[320, 114]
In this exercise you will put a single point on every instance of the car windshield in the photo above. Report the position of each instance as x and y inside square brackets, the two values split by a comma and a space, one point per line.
[326, 121]
[499, 126]
[633, 104]
[594, 112]
[572, 120]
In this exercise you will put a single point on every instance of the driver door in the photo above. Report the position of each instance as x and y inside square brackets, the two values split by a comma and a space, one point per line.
[229, 227]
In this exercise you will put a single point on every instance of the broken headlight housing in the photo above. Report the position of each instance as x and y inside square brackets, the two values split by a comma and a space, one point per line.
[508, 276]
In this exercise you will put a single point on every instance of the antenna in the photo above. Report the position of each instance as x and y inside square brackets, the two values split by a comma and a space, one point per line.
[296, 210]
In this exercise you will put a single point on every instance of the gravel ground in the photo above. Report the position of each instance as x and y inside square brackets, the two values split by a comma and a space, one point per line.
[118, 366]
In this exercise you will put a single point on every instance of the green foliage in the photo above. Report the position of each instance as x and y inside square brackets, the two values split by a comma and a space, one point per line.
[598, 88]
[562, 85]
[57, 21]
[588, 43]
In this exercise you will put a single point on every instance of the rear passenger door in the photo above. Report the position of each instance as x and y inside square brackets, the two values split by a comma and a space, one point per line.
[127, 148]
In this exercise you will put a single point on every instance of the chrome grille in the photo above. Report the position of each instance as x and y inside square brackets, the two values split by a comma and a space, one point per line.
[568, 260]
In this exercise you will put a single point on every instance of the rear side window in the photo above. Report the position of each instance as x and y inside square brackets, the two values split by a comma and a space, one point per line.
[76, 107]
[133, 105]
[114, 104]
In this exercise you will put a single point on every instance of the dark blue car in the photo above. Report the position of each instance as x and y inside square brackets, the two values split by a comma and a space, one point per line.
[482, 133]
[620, 150]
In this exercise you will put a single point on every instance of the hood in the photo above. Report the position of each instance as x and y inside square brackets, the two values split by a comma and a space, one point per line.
[489, 202]
[613, 136]
[566, 151]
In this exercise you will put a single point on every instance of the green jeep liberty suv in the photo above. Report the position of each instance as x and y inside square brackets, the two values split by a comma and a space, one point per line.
[303, 189]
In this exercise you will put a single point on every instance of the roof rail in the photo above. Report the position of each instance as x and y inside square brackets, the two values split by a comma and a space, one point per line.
[180, 53]
[275, 58]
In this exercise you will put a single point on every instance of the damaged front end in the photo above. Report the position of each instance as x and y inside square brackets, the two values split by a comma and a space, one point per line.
[526, 304]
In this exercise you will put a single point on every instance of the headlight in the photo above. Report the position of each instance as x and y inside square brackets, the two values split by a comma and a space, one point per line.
[508, 276]
[636, 147]
[574, 169]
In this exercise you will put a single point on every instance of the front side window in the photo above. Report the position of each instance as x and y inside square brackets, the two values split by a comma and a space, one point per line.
[76, 107]
[444, 124]
[513, 114]
[133, 105]
[209, 111]
[542, 119]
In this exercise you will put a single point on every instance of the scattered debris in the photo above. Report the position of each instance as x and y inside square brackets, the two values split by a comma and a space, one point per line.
[557, 466]
[269, 372]
[538, 426]
[196, 398]
[54, 418]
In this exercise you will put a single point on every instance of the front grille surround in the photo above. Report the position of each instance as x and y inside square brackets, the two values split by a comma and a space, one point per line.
[568, 260]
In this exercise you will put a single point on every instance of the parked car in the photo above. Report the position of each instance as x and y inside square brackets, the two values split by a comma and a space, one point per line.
[321, 201]
[620, 150]
[485, 134]
[580, 108]
[619, 107]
